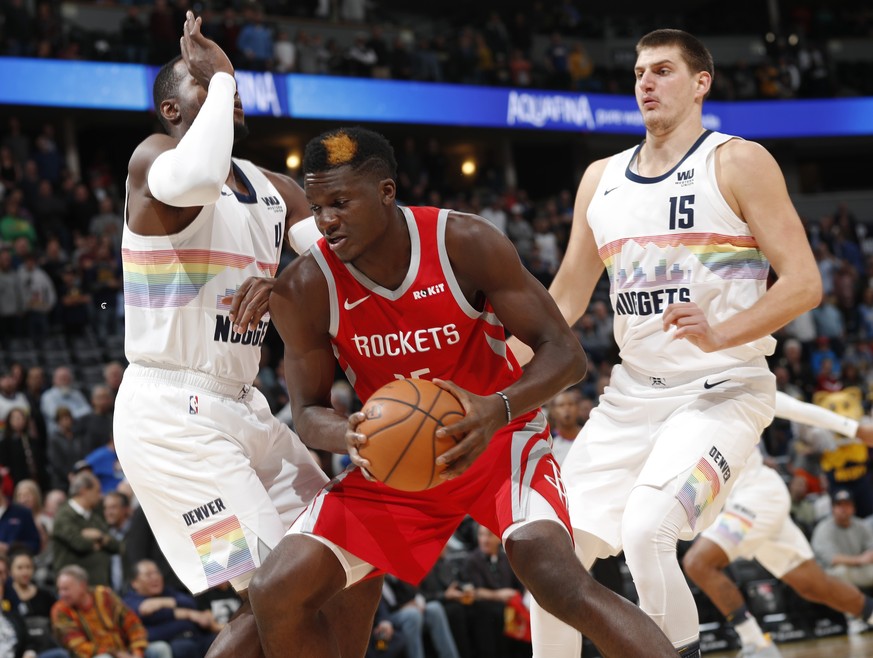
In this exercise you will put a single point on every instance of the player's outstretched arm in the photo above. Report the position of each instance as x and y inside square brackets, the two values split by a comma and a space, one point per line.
[173, 176]
[806, 413]
[753, 186]
[581, 266]
[300, 309]
[486, 264]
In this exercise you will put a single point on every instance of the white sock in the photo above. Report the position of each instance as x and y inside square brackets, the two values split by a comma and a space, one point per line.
[750, 633]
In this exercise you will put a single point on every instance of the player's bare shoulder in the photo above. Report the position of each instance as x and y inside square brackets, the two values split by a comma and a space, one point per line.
[741, 167]
[739, 154]
[144, 156]
[591, 178]
[468, 235]
[302, 284]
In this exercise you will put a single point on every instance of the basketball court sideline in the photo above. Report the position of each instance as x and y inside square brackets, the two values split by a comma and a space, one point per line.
[843, 646]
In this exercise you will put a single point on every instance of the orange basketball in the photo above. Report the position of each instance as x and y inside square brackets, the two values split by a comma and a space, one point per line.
[402, 418]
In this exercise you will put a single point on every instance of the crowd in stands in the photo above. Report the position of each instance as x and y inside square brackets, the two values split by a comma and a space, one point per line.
[542, 46]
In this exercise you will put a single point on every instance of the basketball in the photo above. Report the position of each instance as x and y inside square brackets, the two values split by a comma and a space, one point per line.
[401, 422]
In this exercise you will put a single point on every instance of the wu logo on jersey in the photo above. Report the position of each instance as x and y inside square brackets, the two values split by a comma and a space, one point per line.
[273, 203]
[684, 178]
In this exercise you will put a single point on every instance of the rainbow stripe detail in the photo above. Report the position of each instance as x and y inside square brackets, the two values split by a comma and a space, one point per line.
[732, 528]
[726, 256]
[224, 551]
[170, 278]
[701, 488]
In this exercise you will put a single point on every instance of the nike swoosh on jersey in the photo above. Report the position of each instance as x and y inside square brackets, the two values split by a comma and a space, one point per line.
[349, 306]
[605, 192]
[706, 384]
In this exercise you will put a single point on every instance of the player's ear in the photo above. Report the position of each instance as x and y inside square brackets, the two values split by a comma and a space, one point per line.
[170, 110]
[388, 190]
[704, 82]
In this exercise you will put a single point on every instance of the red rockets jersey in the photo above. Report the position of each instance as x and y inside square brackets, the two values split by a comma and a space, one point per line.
[424, 329]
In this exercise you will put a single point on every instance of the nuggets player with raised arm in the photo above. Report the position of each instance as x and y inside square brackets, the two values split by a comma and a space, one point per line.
[687, 225]
[421, 292]
[756, 524]
[218, 477]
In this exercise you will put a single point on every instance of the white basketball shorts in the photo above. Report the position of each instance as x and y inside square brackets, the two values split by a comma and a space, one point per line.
[686, 434]
[219, 478]
[756, 524]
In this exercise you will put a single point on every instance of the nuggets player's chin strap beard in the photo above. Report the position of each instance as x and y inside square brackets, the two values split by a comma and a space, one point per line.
[193, 173]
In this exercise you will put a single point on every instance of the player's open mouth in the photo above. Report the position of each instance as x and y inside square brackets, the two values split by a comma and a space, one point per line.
[335, 241]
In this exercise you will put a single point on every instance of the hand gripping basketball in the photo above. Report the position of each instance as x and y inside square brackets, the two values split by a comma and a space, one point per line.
[400, 422]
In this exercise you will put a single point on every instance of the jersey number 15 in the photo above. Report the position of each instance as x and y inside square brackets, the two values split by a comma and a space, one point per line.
[681, 212]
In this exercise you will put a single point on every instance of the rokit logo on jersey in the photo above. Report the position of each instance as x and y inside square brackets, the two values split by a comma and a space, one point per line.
[406, 342]
[430, 291]
[224, 332]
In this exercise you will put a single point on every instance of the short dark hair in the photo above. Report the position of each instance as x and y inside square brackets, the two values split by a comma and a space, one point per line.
[123, 498]
[166, 86]
[361, 149]
[694, 53]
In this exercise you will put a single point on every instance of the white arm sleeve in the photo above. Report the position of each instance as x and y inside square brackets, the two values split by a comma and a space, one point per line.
[193, 173]
[303, 234]
[809, 414]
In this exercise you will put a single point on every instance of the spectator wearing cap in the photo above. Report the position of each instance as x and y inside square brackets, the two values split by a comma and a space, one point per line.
[81, 535]
[843, 543]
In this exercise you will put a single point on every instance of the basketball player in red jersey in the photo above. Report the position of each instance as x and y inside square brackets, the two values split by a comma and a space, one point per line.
[395, 292]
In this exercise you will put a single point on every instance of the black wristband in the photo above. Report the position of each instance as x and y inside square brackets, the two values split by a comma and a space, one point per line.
[506, 403]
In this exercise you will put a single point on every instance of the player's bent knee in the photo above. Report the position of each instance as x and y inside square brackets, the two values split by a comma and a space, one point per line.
[695, 564]
[299, 573]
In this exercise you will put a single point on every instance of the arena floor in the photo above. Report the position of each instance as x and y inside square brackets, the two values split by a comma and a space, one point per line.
[843, 646]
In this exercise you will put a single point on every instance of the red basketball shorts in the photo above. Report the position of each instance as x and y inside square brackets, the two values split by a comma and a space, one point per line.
[402, 533]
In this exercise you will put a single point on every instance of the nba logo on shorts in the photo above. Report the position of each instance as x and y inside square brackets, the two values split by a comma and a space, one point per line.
[193, 404]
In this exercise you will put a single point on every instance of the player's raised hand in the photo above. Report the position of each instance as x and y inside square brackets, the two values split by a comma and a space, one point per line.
[691, 324]
[484, 416]
[203, 57]
[249, 303]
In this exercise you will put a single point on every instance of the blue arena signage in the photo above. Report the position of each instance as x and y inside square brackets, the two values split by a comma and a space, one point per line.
[107, 86]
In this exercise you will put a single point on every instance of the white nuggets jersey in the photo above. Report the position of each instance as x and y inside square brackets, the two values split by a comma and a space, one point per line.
[173, 285]
[673, 238]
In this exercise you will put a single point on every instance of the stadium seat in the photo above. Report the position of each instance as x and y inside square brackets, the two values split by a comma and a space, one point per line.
[27, 358]
[53, 358]
[87, 356]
